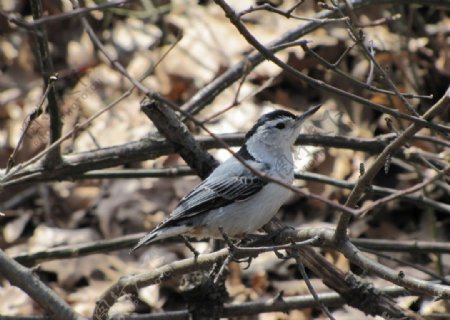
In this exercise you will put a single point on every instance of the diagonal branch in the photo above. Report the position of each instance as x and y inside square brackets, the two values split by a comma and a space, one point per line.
[23, 278]
[207, 94]
[366, 179]
[167, 122]
[404, 192]
[27, 123]
[352, 289]
[267, 53]
[192, 153]
[354, 255]
[358, 36]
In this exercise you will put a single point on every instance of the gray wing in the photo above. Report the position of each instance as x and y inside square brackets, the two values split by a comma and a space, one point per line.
[223, 187]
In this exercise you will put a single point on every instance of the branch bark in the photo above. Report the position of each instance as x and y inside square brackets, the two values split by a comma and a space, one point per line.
[367, 177]
[53, 158]
[125, 242]
[346, 285]
[23, 278]
[152, 147]
[167, 122]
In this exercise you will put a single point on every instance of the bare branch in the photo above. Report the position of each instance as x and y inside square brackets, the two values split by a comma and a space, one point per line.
[353, 80]
[288, 13]
[401, 193]
[366, 179]
[311, 289]
[178, 134]
[109, 245]
[78, 250]
[66, 15]
[307, 176]
[16, 170]
[354, 255]
[229, 12]
[28, 121]
[331, 275]
[23, 278]
[53, 158]
[205, 95]
[358, 35]
[152, 147]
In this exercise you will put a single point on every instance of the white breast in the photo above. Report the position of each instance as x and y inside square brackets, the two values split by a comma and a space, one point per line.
[248, 215]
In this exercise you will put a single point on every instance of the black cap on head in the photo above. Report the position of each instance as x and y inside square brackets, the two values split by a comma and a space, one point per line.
[268, 117]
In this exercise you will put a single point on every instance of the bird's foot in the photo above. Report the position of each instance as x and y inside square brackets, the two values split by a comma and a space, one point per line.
[190, 247]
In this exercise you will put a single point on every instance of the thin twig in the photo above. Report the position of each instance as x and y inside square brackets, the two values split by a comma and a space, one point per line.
[354, 255]
[371, 66]
[53, 158]
[31, 25]
[174, 270]
[152, 147]
[411, 283]
[287, 13]
[249, 308]
[366, 179]
[358, 36]
[27, 123]
[16, 170]
[353, 80]
[181, 171]
[229, 12]
[311, 289]
[401, 193]
[237, 101]
[78, 250]
[434, 275]
[207, 93]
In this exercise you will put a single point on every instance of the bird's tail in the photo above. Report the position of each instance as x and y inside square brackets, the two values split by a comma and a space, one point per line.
[160, 233]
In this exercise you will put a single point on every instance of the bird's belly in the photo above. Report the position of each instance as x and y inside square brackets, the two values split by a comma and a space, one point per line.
[248, 215]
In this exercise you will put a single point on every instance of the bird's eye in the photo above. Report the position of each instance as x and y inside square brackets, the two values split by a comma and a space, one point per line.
[280, 125]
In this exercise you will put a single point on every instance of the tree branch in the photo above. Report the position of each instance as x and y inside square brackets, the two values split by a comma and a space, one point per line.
[167, 122]
[125, 242]
[153, 147]
[234, 19]
[306, 176]
[66, 15]
[355, 256]
[207, 94]
[358, 36]
[131, 284]
[366, 179]
[23, 278]
[53, 158]
[286, 304]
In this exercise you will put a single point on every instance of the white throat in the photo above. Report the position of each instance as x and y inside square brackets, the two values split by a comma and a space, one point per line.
[274, 155]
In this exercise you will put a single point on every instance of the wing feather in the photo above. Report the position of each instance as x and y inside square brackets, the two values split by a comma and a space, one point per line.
[215, 193]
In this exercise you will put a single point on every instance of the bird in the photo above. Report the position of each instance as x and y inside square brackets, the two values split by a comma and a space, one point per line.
[233, 200]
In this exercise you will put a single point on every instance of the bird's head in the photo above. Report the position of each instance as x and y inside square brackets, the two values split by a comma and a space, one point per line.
[278, 128]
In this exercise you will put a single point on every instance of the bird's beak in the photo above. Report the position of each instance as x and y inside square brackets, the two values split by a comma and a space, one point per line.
[307, 114]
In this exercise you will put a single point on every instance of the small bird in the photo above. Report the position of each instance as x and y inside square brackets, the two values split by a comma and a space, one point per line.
[232, 197]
